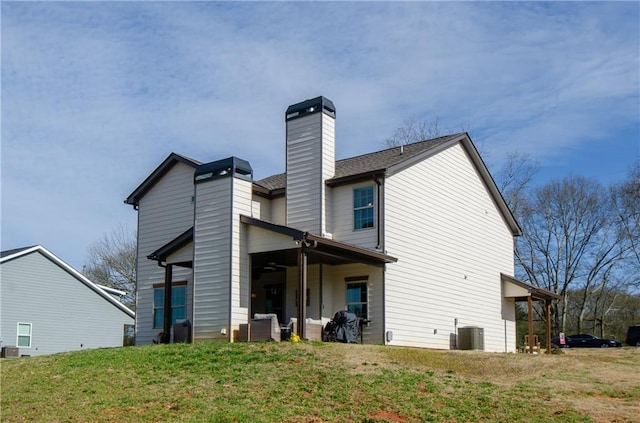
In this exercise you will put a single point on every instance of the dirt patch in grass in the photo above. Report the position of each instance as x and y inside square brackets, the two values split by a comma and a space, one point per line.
[602, 383]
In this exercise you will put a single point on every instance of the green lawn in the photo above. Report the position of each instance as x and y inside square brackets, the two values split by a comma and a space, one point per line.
[315, 382]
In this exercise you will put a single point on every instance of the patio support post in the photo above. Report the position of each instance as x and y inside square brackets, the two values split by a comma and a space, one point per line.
[166, 323]
[547, 306]
[302, 290]
[530, 312]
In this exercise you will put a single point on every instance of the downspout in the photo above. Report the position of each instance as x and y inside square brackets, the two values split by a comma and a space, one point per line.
[378, 182]
[379, 246]
[302, 289]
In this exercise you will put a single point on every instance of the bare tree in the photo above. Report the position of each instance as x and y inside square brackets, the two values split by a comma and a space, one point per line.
[415, 130]
[569, 242]
[514, 178]
[626, 201]
[112, 262]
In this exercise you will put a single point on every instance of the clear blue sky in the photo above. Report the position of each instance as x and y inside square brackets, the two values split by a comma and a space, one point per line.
[96, 94]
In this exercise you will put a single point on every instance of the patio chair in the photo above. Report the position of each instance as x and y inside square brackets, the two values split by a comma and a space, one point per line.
[264, 327]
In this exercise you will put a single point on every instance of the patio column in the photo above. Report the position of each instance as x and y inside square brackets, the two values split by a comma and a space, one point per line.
[530, 312]
[547, 306]
[166, 323]
[302, 290]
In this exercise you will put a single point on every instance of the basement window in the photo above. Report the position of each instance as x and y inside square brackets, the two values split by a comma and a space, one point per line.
[178, 304]
[363, 208]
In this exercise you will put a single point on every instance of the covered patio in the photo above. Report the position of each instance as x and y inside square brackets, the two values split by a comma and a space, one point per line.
[523, 292]
[291, 253]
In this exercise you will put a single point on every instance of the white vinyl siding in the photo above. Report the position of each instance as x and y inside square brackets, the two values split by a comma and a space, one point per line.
[63, 312]
[310, 161]
[335, 295]
[240, 259]
[261, 208]
[452, 244]
[279, 211]
[221, 265]
[342, 225]
[183, 254]
[261, 240]
[165, 212]
[212, 250]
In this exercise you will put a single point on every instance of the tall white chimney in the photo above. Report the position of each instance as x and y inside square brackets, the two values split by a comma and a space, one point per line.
[310, 133]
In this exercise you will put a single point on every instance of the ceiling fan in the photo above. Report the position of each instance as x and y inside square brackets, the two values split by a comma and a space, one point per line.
[272, 267]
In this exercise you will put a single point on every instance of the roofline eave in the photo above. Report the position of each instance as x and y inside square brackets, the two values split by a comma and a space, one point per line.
[166, 165]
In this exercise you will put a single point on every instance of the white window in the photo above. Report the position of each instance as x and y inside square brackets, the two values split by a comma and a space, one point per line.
[357, 296]
[363, 208]
[24, 335]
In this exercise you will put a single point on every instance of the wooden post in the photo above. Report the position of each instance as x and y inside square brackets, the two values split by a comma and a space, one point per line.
[547, 304]
[530, 310]
[166, 323]
[302, 291]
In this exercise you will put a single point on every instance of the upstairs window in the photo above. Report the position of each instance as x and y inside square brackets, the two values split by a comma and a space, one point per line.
[363, 208]
[178, 304]
[24, 335]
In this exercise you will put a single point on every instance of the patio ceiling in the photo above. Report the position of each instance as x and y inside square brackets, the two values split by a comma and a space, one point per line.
[318, 249]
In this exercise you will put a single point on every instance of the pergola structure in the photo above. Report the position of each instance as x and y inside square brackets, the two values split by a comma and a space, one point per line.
[522, 291]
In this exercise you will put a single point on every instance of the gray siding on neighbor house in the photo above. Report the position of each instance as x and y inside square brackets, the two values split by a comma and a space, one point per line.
[164, 212]
[65, 314]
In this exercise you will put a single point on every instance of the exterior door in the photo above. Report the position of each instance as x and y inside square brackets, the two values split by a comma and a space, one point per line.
[274, 300]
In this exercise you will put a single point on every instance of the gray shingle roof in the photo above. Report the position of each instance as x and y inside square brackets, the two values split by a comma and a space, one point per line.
[7, 253]
[367, 163]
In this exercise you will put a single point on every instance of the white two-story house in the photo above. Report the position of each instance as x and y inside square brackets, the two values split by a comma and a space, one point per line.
[417, 239]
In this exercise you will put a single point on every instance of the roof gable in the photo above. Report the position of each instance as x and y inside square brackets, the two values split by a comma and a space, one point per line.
[370, 163]
[393, 160]
[157, 174]
[9, 255]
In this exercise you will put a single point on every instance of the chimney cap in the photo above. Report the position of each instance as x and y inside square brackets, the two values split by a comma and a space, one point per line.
[307, 107]
[232, 166]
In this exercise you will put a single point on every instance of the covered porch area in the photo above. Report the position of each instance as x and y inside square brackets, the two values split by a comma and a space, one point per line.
[301, 277]
[523, 292]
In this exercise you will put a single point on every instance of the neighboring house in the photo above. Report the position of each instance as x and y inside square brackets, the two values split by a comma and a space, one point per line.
[417, 239]
[47, 307]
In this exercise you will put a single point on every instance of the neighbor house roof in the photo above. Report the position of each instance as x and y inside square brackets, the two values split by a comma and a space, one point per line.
[9, 255]
[15, 251]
